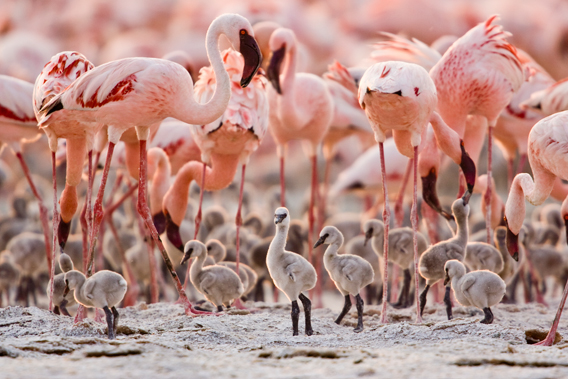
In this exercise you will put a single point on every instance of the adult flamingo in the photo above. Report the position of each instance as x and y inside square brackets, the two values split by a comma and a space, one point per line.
[478, 75]
[17, 127]
[548, 161]
[138, 92]
[550, 100]
[401, 97]
[301, 107]
[225, 143]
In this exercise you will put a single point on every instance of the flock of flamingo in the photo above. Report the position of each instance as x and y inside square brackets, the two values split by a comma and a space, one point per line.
[161, 133]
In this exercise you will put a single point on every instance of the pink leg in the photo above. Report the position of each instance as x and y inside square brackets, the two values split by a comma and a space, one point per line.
[311, 222]
[394, 283]
[549, 340]
[282, 182]
[323, 199]
[398, 207]
[414, 222]
[510, 170]
[144, 211]
[488, 191]
[55, 227]
[238, 222]
[386, 221]
[42, 210]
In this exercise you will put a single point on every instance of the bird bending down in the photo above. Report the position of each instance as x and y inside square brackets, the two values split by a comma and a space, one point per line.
[104, 290]
[61, 302]
[349, 272]
[482, 289]
[548, 161]
[291, 273]
[140, 92]
[401, 97]
[220, 285]
[301, 107]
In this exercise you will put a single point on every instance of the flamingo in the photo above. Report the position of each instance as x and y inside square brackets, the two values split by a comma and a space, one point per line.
[548, 160]
[138, 92]
[549, 100]
[18, 126]
[401, 97]
[301, 107]
[224, 143]
[478, 75]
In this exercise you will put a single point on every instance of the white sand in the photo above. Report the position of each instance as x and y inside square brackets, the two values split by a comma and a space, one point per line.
[163, 342]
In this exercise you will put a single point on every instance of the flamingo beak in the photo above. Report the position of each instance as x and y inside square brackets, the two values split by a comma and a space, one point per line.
[63, 233]
[446, 279]
[159, 220]
[321, 240]
[368, 236]
[172, 231]
[252, 55]
[186, 256]
[468, 169]
[430, 195]
[279, 218]
[273, 70]
[512, 242]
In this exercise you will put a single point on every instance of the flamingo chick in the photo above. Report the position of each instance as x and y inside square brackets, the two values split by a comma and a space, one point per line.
[349, 272]
[291, 273]
[220, 285]
[482, 289]
[104, 290]
[61, 302]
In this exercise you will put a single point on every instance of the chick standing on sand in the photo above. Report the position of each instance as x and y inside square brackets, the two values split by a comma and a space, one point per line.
[349, 272]
[291, 273]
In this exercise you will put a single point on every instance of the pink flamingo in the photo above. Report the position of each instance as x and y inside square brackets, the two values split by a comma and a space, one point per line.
[549, 100]
[224, 143]
[174, 137]
[139, 92]
[301, 107]
[478, 75]
[401, 97]
[17, 127]
[548, 160]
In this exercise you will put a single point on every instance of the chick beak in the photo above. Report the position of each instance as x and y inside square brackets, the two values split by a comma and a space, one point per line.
[320, 241]
[186, 256]
[368, 236]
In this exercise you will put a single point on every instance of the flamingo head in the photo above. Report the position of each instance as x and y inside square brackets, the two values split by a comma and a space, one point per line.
[281, 216]
[281, 41]
[193, 249]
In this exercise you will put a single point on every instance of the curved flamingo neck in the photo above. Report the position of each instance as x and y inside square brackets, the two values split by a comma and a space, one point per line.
[278, 244]
[331, 251]
[197, 265]
[201, 114]
[446, 138]
[289, 109]
[523, 187]
[219, 176]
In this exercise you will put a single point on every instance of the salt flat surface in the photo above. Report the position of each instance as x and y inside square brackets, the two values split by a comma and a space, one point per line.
[158, 340]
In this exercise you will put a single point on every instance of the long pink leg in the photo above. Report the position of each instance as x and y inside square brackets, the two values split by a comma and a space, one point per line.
[323, 199]
[238, 222]
[549, 340]
[311, 221]
[386, 221]
[282, 182]
[197, 221]
[398, 207]
[42, 210]
[414, 222]
[488, 191]
[55, 227]
[510, 171]
[144, 211]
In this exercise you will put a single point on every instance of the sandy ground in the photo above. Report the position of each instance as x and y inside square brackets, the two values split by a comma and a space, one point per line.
[160, 341]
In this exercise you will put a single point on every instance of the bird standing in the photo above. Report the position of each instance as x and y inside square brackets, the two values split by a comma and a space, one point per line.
[139, 92]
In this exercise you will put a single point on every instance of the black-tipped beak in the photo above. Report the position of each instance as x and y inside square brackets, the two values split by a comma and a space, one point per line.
[273, 70]
[466, 196]
[368, 236]
[430, 195]
[66, 289]
[468, 169]
[279, 218]
[446, 279]
[63, 233]
[159, 220]
[512, 242]
[186, 256]
[321, 240]
[172, 231]
[252, 55]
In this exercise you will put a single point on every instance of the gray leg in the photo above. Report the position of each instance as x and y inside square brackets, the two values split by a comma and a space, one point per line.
[109, 318]
[346, 308]
[115, 320]
[56, 310]
[488, 316]
[403, 300]
[219, 308]
[359, 304]
[295, 317]
[448, 303]
[423, 298]
[63, 307]
[308, 313]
